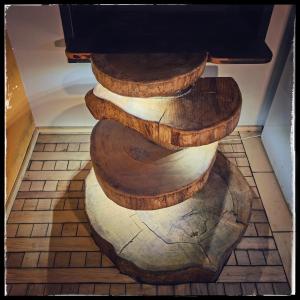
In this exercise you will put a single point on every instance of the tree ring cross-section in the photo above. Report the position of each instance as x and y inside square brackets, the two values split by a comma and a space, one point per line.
[148, 74]
[138, 174]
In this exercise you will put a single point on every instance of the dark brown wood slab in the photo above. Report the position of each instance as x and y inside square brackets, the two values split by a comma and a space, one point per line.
[209, 111]
[138, 174]
[149, 74]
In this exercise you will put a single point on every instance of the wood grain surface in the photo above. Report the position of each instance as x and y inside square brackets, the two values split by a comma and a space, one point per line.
[206, 113]
[187, 242]
[148, 74]
[138, 174]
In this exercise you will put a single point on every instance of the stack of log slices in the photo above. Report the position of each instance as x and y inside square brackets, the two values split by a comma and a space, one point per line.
[164, 205]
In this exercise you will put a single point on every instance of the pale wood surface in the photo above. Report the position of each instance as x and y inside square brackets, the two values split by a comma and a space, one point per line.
[148, 74]
[138, 174]
[189, 241]
[206, 113]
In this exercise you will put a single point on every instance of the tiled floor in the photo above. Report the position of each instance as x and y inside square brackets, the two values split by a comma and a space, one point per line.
[50, 250]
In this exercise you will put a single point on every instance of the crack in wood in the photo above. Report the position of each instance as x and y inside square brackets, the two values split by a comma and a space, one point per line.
[166, 242]
[130, 241]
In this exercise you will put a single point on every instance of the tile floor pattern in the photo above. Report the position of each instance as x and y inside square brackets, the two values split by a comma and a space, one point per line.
[50, 250]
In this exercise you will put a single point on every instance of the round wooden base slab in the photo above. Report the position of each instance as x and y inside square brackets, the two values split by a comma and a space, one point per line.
[138, 174]
[187, 242]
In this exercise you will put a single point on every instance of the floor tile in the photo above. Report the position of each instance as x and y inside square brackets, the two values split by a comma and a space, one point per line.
[199, 289]
[102, 289]
[14, 260]
[18, 289]
[148, 290]
[70, 289]
[165, 290]
[182, 289]
[248, 289]
[233, 289]
[117, 289]
[272, 257]
[264, 288]
[263, 229]
[134, 289]
[281, 288]
[215, 289]
[36, 165]
[276, 208]
[256, 153]
[242, 257]
[256, 257]
[284, 244]
[30, 259]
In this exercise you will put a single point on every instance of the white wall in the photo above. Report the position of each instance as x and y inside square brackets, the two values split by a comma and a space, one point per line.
[276, 135]
[56, 88]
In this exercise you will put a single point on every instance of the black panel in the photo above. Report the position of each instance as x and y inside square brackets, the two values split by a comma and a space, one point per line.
[167, 28]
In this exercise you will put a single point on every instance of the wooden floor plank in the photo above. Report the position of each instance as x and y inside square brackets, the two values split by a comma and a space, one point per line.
[252, 274]
[58, 216]
[51, 244]
[63, 138]
[66, 275]
[40, 194]
[60, 156]
[254, 243]
[56, 175]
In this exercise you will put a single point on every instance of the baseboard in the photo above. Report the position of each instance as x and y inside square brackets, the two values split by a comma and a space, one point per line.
[65, 130]
[11, 197]
[88, 129]
[249, 128]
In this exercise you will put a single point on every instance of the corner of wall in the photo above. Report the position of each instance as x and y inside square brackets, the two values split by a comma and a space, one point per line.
[19, 122]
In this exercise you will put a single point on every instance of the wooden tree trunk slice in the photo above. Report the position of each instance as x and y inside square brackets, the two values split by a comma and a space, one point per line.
[138, 174]
[188, 242]
[206, 113]
[148, 74]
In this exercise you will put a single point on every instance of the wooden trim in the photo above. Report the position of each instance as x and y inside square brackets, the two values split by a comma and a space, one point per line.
[11, 197]
[88, 129]
[65, 130]
[249, 128]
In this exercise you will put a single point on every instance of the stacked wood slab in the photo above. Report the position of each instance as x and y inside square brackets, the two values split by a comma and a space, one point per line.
[163, 204]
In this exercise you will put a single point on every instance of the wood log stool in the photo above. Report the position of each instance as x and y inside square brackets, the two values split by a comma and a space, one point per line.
[164, 205]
